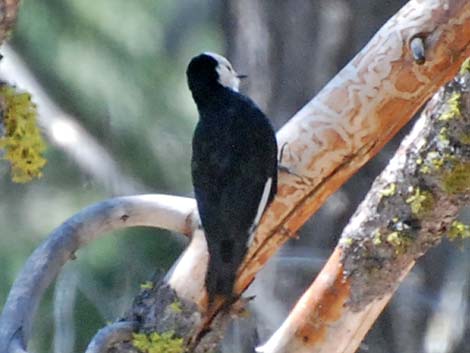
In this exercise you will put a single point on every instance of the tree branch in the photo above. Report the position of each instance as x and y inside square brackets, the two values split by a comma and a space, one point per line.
[162, 211]
[107, 336]
[358, 112]
[349, 121]
[411, 205]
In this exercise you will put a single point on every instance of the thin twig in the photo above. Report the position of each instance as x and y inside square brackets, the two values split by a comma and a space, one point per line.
[113, 333]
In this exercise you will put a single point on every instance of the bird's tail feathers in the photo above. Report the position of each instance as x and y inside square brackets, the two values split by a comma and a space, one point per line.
[224, 262]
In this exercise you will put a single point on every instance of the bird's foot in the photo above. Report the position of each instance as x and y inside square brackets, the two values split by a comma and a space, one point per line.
[285, 169]
[239, 308]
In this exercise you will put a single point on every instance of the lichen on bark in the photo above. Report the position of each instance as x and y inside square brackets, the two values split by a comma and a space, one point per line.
[430, 175]
[20, 137]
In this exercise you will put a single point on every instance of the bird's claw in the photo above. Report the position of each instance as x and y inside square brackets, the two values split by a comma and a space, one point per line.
[285, 169]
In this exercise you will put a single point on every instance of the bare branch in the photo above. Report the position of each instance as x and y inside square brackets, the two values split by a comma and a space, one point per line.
[107, 336]
[411, 205]
[162, 211]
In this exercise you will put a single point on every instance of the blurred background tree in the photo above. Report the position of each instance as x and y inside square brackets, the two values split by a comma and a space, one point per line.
[120, 121]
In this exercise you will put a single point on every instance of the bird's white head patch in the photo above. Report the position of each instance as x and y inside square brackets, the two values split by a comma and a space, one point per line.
[228, 77]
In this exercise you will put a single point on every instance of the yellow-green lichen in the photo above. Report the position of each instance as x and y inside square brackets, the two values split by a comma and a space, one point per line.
[400, 241]
[443, 136]
[465, 68]
[458, 231]
[436, 160]
[377, 239]
[457, 179]
[433, 159]
[155, 342]
[425, 169]
[21, 141]
[345, 241]
[146, 285]
[390, 190]
[176, 306]
[421, 201]
[453, 108]
[437, 163]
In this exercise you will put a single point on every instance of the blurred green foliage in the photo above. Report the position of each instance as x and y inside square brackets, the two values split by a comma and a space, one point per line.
[119, 68]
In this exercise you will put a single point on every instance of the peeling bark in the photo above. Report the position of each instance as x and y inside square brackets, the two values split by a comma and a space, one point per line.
[409, 208]
[327, 142]
[344, 126]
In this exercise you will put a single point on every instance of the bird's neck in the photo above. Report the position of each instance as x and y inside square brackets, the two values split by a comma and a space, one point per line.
[212, 97]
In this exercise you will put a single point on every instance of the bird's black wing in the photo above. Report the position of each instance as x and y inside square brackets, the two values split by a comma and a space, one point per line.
[232, 161]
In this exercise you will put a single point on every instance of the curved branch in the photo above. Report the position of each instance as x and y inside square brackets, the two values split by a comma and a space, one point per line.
[113, 333]
[162, 211]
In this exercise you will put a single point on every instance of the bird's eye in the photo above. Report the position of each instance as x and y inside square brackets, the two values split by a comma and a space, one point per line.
[229, 68]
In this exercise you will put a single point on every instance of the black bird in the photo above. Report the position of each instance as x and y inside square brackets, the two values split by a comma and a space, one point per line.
[234, 167]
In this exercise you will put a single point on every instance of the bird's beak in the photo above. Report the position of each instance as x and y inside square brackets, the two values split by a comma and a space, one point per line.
[240, 76]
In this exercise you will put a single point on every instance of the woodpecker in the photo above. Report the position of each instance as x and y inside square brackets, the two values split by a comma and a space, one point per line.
[233, 167]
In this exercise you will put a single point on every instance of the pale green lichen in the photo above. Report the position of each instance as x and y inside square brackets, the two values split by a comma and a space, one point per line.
[465, 68]
[433, 159]
[22, 142]
[346, 241]
[176, 307]
[443, 136]
[421, 202]
[457, 179]
[458, 231]
[425, 169]
[400, 241]
[155, 342]
[146, 285]
[437, 162]
[390, 190]
[453, 108]
[377, 239]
